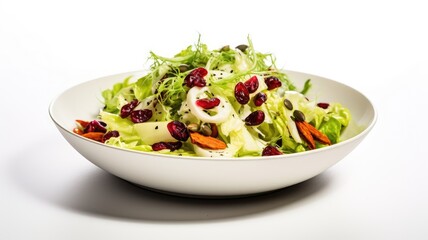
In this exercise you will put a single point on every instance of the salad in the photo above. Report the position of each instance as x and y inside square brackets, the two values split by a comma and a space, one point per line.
[227, 102]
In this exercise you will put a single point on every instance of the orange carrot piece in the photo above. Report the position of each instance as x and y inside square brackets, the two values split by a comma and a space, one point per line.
[78, 131]
[304, 131]
[207, 141]
[97, 136]
[82, 123]
[321, 137]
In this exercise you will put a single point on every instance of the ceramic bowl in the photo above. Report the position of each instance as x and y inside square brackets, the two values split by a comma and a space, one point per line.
[210, 177]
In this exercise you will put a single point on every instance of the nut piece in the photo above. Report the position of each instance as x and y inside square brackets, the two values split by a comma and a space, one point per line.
[193, 127]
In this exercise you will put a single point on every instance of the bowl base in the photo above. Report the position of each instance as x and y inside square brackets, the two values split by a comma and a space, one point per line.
[200, 196]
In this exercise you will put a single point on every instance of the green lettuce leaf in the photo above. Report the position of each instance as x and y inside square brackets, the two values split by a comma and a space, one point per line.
[124, 126]
[332, 129]
[143, 87]
[340, 113]
[111, 96]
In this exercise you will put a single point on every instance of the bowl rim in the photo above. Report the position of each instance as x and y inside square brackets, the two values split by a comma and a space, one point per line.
[361, 134]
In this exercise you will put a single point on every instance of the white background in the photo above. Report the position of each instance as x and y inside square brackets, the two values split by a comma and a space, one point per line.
[48, 191]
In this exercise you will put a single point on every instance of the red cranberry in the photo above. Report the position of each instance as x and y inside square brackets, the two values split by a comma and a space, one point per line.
[178, 130]
[255, 118]
[140, 116]
[199, 72]
[196, 81]
[208, 103]
[95, 126]
[252, 84]
[109, 135]
[272, 82]
[126, 109]
[196, 78]
[241, 93]
[166, 145]
[259, 99]
[271, 151]
[323, 105]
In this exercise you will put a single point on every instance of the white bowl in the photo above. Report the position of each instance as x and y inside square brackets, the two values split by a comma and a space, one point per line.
[207, 176]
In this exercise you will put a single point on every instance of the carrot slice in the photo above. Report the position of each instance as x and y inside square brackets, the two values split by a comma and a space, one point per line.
[82, 123]
[207, 141]
[97, 136]
[321, 137]
[78, 131]
[307, 136]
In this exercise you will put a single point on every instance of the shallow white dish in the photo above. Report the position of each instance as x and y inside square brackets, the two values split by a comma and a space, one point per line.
[208, 176]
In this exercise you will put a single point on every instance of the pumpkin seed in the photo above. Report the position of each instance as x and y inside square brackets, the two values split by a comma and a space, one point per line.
[242, 47]
[288, 104]
[206, 130]
[225, 48]
[298, 116]
[183, 67]
[194, 127]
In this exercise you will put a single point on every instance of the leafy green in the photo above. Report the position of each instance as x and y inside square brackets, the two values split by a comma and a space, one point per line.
[340, 113]
[123, 125]
[194, 56]
[143, 87]
[110, 96]
[162, 90]
[331, 128]
[306, 87]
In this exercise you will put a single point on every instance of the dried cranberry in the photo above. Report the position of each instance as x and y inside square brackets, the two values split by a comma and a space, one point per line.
[196, 78]
[259, 99]
[208, 103]
[199, 72]
[95, 126]
[252, 84]
[178, 130]
[166, 145]
[271, 151]
[241, 93]
[272, 82]
[174, 145]
[195, 81]
[255, 118]
[323, 105]
[109, 135]
[140, 116]
[126, 109]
